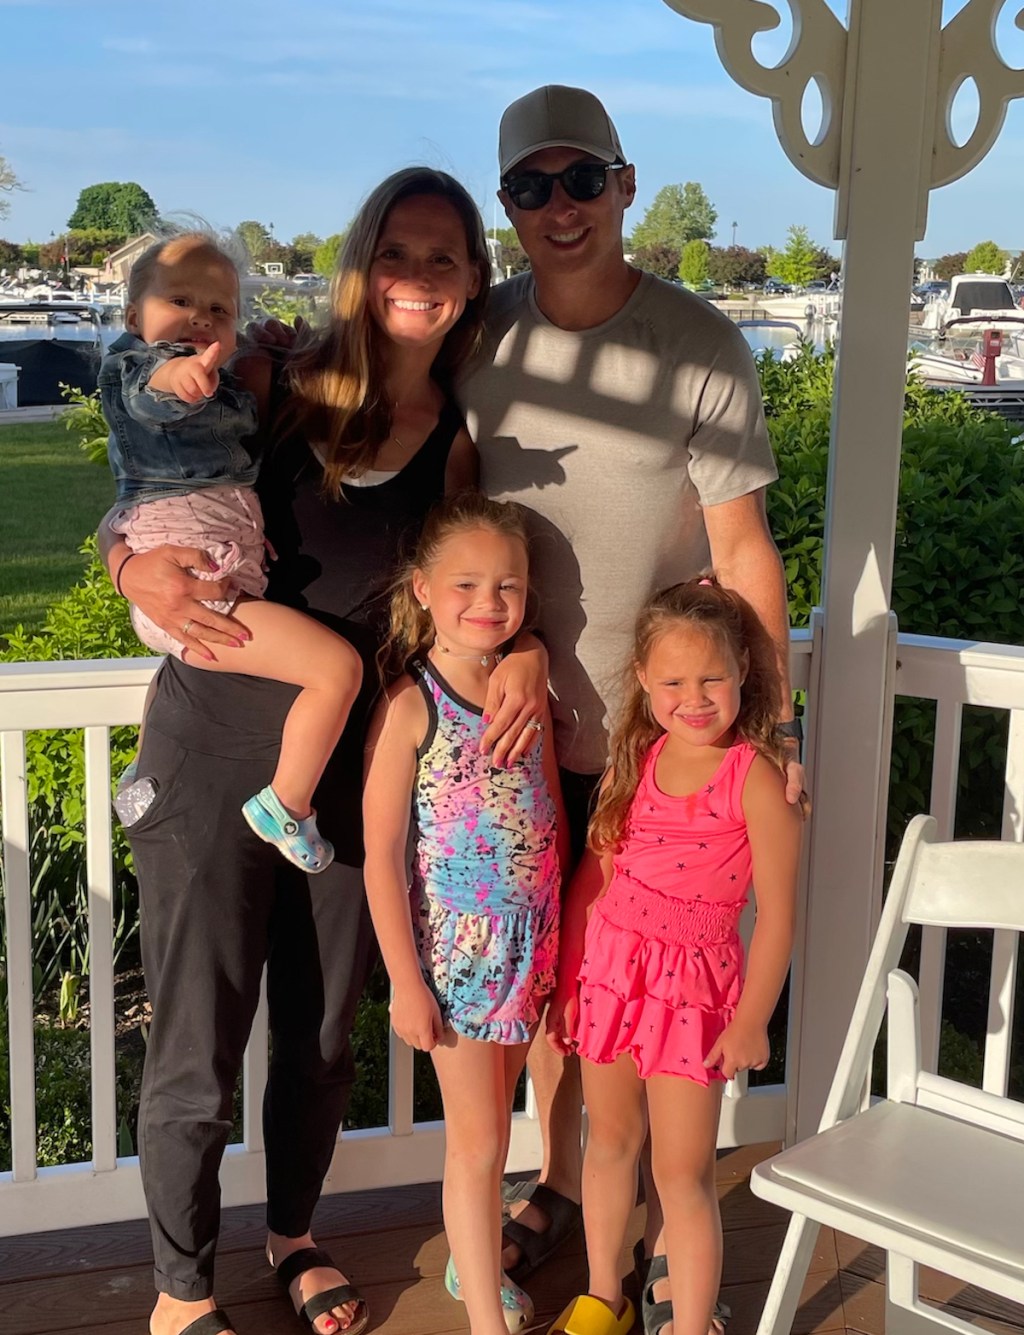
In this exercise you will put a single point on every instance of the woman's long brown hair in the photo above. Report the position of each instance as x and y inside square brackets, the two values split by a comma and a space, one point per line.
[337, 377]
[725, 617]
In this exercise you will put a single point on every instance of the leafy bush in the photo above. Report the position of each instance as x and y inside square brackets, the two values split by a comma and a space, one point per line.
[958, 560]
[63, 1095]
[85, 418]
[283, 305]
[89, 622]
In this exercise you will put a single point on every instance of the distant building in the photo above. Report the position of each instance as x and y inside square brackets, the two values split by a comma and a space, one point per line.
[118, 264]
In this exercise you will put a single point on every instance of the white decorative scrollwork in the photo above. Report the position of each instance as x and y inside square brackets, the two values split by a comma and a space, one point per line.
[817, 54]
[969, 51]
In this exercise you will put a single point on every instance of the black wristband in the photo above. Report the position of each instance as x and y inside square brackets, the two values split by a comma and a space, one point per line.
[793, 727]
[120, 572]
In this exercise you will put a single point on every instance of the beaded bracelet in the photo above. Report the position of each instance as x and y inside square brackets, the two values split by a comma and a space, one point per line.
[120, 572]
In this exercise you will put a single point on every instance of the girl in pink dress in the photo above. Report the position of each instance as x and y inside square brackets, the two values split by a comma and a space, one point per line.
[651, 989]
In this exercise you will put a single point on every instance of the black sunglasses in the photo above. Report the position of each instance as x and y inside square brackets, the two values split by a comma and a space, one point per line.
[580, 181]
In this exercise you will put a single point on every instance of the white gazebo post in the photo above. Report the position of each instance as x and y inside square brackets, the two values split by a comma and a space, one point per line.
[887, 83]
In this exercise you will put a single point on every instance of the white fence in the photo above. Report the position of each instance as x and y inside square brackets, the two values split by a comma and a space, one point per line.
[99, 696]
[954, 674]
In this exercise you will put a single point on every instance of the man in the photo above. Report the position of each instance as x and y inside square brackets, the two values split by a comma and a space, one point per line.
[625, 414]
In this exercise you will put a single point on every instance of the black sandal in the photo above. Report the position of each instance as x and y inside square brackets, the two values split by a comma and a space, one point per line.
[313, 1258]
[564, 1218]
[211, 1323]
[655, 1315]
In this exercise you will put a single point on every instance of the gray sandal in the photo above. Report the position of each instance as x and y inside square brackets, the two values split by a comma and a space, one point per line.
[655, 1315]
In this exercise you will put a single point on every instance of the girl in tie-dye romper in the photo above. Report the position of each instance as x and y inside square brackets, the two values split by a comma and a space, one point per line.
[471, 944]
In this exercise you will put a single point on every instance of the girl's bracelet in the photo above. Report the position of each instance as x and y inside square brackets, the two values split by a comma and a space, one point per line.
[120, 572]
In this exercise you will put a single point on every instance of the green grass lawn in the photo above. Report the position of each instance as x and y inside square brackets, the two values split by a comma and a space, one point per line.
[51, 499]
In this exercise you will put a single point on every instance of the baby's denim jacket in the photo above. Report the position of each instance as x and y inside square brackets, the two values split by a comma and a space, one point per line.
[161, 446]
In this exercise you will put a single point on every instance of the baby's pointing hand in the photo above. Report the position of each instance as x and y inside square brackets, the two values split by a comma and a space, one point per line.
[189, 378]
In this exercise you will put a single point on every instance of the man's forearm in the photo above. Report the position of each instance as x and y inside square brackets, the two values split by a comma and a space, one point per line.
[755, 571]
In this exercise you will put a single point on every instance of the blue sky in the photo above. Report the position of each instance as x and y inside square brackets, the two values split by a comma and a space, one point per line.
[290, 113]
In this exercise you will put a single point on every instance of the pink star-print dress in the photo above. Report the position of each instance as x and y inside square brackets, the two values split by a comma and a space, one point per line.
[663, 961]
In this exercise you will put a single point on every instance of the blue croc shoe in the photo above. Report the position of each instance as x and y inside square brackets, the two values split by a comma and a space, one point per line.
[299, 840]
[516, 1303]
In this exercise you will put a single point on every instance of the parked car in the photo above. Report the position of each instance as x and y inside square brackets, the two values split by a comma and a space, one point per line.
[817, 285]
[775, 287]
[935, 287]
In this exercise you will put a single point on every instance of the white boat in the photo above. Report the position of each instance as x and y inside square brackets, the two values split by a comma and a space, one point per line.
[955, 352]
[982, 300]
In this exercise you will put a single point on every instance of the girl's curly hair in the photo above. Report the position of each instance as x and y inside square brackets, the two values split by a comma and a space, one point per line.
[725, 617]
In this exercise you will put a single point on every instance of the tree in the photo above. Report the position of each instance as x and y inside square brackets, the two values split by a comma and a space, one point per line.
[693, 263]
[679, 213]
[948, 266]
[732, 265]
[8, 182]
[825, 263]
[505, 236]
[303, 248]
[514, 258]
[797, 263]
[117, 206]
[325, 258]
[659, 258]
[986, 257]
[9, 253]
[256, 238]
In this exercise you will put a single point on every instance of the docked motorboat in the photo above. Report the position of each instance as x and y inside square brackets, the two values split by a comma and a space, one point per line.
[784, 339]
[981, 300]
[51, 343]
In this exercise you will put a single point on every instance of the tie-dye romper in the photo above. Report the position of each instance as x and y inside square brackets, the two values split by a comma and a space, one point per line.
[663, 962]
[485, 874]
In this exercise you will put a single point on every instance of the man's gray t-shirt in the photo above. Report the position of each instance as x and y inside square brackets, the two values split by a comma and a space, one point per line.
[613, 438]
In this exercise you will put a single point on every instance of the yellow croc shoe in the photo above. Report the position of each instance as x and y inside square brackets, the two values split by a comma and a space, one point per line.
[586, 1315]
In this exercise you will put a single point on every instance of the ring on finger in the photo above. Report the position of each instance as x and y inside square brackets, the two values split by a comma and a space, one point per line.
[535, 724]
[187, 626]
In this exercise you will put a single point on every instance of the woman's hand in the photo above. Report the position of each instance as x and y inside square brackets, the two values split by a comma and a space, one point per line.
[561, 1020]
[416, 1017]
[161, 584]
[517, 701]
[740, 1047]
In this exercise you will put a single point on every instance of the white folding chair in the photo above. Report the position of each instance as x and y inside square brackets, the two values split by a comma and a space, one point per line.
[934, 1172]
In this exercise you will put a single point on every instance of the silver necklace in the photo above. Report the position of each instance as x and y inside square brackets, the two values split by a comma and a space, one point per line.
[482, 659]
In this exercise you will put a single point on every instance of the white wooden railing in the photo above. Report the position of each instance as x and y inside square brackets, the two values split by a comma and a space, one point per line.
[955, 674]
[101, 695]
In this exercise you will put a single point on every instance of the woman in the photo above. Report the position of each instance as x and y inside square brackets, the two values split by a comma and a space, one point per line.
[364, 438]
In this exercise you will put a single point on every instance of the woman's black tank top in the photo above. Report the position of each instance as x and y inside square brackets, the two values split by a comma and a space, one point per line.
[335, 561]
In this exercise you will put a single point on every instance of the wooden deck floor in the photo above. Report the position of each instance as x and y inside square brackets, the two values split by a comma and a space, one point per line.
[98, 1280]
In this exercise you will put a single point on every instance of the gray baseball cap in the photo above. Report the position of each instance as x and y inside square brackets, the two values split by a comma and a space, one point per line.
[556, 117]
